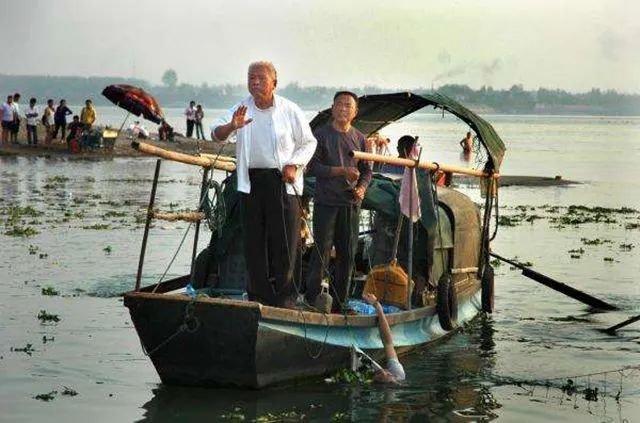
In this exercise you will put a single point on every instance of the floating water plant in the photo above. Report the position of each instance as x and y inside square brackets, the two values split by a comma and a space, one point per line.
[97, 226]
[49, 396]
[21, 231]
[69, 392]
[626, 247]
[45, 317]
[50, 291]
[28, 349]
[107, 249]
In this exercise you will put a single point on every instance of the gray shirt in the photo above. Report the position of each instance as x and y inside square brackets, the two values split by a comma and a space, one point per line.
[333, 151]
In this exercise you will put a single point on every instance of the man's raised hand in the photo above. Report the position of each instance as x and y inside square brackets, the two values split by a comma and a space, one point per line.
[238, 118]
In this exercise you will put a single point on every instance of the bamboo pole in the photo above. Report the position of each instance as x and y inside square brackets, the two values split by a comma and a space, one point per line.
[183, 158]
[226, 159]
[421, 165]
[185, 216]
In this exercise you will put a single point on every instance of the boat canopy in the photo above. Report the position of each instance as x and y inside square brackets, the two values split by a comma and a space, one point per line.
[379, 110]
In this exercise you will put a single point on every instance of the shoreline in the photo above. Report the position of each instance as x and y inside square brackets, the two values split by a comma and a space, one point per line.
[121, 148]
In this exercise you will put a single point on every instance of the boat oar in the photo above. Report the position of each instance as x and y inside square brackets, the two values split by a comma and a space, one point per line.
[559, 286]
[611, 330]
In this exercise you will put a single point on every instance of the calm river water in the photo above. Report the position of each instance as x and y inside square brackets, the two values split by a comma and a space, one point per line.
[510, 366]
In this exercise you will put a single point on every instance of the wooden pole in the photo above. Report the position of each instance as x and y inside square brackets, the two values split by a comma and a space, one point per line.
[422, 165]
[614, 328]
[559, 286]
[183, 158]
[147, 224]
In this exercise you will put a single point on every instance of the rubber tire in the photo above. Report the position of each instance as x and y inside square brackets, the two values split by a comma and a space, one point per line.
[488, 290]
[446, 303]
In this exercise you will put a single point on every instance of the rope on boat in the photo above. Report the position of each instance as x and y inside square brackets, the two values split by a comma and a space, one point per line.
[190, 324]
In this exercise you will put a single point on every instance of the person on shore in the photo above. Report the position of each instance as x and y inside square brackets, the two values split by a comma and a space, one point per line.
[341, 183]
[7, 119]
[394, 372]
[165, 132]
[273, 144]
[75, 129]
[31, 115]
[198, 119]
[15, 128]
[190, 114]
[48, 122]
[377, 144]
[60, 120]
[467, 143]
[88, 114]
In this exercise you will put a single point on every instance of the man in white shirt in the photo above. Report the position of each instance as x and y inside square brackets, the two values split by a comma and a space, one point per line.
[190, 113]
[32, 114]
[7, 119]
[273, 144]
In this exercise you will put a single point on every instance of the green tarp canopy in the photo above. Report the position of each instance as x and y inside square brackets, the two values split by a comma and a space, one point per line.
[379, 110]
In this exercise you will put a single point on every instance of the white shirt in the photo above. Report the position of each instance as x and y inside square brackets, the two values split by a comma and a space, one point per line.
[16, 109]
[190, 113]
[32, 114]
[263, 142]
[7, 112]
[295, 144]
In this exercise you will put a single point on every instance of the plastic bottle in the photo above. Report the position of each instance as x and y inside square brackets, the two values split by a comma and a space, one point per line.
[190, 291]
[324, 300]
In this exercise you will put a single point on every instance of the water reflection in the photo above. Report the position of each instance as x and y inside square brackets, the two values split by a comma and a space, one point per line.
[445, 381]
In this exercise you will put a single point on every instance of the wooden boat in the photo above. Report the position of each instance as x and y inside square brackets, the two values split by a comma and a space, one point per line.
[221, 339]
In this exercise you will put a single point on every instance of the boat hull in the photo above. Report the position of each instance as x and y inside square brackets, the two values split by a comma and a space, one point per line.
[221, 342]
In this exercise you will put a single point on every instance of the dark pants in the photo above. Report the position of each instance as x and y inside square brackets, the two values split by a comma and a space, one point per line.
[333, 226]
[271, 224]
[63, 127]
[32, 134]
[200, 131]
[190, 124]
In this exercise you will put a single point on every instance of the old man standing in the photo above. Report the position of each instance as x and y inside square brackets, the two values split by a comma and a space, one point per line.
[273, 145]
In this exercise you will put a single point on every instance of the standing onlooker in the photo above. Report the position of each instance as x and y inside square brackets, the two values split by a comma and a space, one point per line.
[32, 114]
[88, 114]
[341, 183]
[190, 113]
[60, 119]
[15, 127]
[7, 119]
[273, 144]
[48, 121]
[199, 116]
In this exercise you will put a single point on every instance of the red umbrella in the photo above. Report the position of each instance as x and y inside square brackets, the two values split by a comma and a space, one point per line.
[134, 100]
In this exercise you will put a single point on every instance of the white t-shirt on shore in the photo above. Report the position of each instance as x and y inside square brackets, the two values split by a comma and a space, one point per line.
[32, 114]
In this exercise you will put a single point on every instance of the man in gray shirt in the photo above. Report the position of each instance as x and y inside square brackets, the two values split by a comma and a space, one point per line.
[341, 183]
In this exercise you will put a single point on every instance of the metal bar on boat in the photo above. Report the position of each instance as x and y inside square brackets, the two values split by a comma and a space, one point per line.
[183, 158]
[422, 165]
[203, 193]
[147, 223]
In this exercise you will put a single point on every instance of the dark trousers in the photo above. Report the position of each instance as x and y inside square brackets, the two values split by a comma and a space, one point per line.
[333, 226]
[271, 225]
[63, 127]
[190, 124]
[32, 134]
[199, 131]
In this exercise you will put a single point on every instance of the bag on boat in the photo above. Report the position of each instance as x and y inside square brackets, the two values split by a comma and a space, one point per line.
[388, 282]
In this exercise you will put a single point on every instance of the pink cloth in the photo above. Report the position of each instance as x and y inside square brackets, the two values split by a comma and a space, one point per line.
[407, 189]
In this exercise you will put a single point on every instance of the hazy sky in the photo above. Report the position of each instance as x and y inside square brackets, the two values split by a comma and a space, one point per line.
[573, 44]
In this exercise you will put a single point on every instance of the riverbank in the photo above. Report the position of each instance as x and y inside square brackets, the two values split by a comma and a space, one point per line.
[121, 147]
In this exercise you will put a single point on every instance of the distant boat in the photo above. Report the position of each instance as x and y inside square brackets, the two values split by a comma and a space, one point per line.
[220, 339]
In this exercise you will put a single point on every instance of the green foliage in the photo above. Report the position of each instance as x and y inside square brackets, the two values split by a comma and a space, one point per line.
[49, 290]
[45, 317]
[171, 94]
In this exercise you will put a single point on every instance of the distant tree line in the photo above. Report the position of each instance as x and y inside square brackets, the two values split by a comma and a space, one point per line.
[171, 93]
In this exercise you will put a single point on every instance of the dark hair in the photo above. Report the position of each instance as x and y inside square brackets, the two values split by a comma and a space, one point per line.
[32, 100]
[76, 117]
[405, 144]
[349, 93]
[16, 95]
